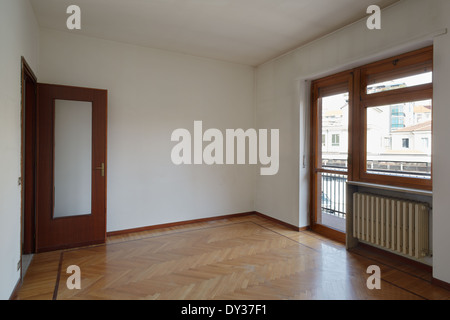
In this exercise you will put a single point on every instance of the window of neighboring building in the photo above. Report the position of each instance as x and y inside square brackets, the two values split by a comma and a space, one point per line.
[335, 140]
[388, 143]
[425, 143]
[405, 143]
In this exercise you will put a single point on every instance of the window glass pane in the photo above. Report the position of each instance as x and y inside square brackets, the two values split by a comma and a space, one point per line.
[400, 83]
[400, 77]
[399, 139]
[335, 111]
[73, 158]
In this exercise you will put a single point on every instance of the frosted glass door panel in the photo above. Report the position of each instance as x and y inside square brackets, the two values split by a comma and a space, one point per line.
[73, 158]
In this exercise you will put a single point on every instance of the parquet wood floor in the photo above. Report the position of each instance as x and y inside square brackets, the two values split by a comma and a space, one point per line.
[245, 258]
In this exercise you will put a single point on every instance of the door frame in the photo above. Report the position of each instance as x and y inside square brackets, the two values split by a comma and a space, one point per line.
[29, 233]
[27, 218]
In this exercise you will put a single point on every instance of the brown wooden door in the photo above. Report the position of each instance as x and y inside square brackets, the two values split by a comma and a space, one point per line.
[71, 173]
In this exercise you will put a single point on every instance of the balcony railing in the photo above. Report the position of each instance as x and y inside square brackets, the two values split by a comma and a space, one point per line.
[334, 194]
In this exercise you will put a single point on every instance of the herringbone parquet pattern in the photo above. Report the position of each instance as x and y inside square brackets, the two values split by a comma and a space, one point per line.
[241, 258]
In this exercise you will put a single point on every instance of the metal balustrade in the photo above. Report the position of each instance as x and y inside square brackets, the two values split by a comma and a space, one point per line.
[334, 193]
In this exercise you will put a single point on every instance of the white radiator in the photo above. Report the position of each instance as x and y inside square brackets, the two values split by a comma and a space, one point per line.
[394, 224]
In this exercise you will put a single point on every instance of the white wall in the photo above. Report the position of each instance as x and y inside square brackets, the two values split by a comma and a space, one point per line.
[152, 93]
[408, 25]
[19, 35]
[441, 156]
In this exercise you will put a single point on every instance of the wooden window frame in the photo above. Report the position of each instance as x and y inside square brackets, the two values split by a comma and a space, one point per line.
[422, 57]
[404, 65]
[355, 81]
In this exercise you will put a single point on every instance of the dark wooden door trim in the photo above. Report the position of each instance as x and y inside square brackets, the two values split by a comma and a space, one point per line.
[28, 157]
[61, 233]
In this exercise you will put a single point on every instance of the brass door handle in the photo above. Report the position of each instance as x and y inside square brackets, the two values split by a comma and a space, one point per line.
[102, 168]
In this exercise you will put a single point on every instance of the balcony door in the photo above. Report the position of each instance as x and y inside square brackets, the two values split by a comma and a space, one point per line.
[331, 119]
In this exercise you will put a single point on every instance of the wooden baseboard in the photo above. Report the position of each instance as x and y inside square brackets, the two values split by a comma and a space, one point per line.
[175, 224]
[440, 283]
[71, 246]
[16, 290]
[290, 226]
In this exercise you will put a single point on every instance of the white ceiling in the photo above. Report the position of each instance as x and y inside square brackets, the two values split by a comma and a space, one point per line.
[243, 31]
